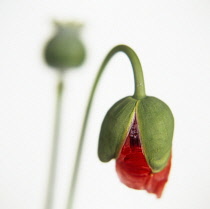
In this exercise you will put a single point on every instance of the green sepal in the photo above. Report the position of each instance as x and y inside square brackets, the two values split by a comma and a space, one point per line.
[156, 125]
[115, 128]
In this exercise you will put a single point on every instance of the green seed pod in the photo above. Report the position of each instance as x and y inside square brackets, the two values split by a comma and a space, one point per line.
[65, 49]
[155, 124]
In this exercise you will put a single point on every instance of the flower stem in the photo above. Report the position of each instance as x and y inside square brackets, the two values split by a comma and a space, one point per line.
[55, 144]
[139, 93]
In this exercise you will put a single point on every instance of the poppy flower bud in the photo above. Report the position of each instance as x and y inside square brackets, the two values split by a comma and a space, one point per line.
[65, 49]
[138, 133]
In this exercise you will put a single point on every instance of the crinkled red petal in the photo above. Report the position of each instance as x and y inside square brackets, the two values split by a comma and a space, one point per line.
[133, 170]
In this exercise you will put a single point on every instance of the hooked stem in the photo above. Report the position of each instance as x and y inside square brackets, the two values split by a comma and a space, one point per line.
[138, 94]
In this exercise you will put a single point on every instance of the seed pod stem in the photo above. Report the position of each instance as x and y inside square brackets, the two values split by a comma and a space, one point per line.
[138, 94]
[55, 143]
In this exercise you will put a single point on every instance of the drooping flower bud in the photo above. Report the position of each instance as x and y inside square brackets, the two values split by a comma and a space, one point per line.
[137, 131]
[65, 49]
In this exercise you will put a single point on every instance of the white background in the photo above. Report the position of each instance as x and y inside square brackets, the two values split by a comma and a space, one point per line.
[172, 41]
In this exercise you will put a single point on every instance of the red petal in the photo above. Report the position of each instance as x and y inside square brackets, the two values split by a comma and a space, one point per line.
[133, 170]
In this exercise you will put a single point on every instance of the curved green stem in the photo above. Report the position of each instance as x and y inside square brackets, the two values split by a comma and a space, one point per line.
[55, 144]
[138, 94]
